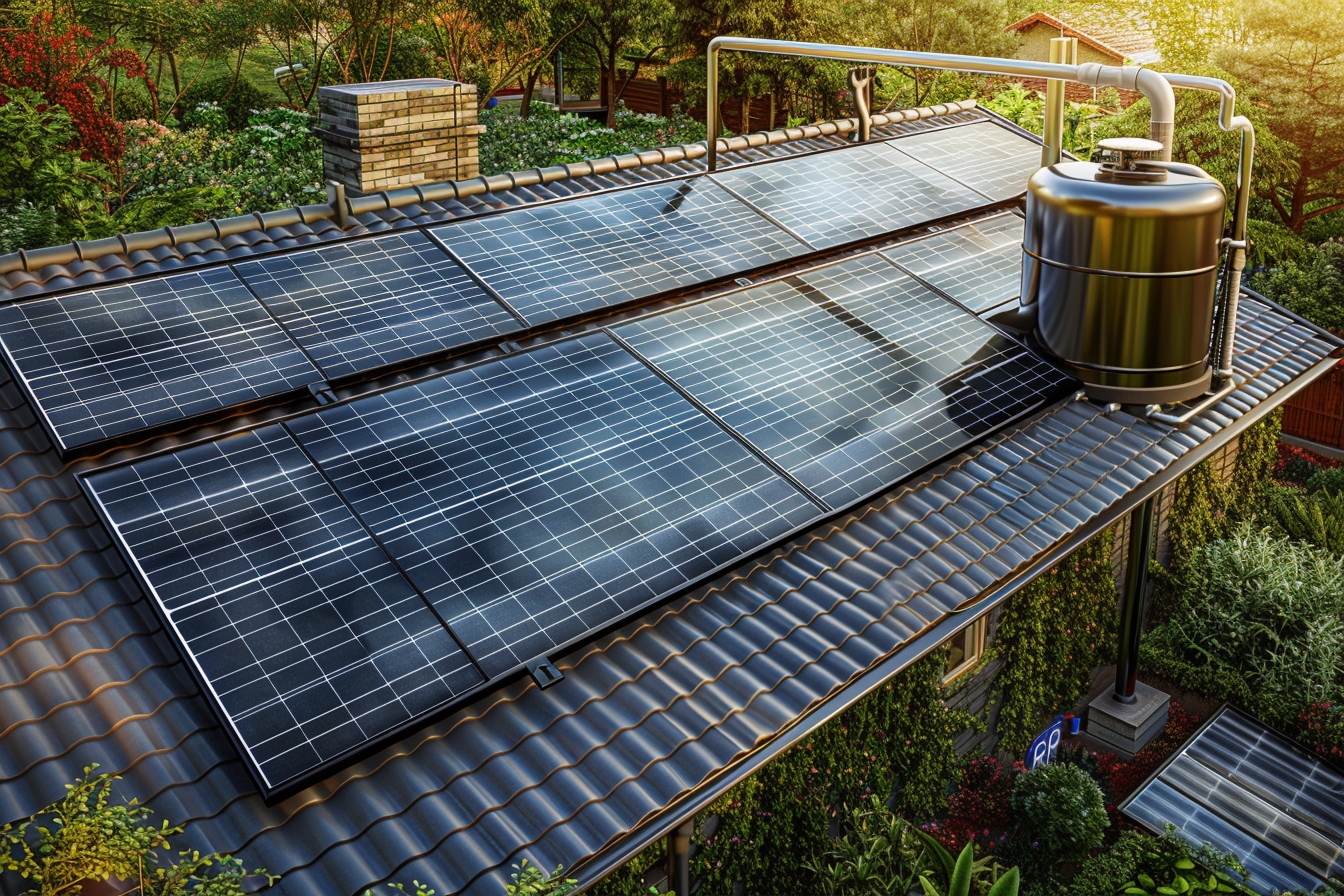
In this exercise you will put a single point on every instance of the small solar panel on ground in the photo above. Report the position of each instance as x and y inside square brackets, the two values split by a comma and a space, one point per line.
[838, 197]
[300, 627]
[848, 377]
[585, 254]
[537, 497]
[985, 157]
[115, 360]
[977, 264]
[368, 303]
[1250, 791]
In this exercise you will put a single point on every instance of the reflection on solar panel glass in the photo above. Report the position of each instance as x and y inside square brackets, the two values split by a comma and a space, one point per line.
[977, 264]
[368, 303]
[301, 628]
[838, 197]
[849, 377]
[583, 254]
[539, 496]
[122, 358]
[983, 156]
[1248, 790]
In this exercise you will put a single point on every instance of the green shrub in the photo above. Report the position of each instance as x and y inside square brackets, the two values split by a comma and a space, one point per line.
[1315, 519]
[1330, 481]
[1060, 811]
[1107, 872]
[881, 855]
[528, 880]
[1312, 287]
[546, 137]
[238, 101]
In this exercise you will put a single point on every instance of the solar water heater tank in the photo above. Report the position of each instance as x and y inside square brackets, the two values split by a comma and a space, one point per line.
[1120, 264]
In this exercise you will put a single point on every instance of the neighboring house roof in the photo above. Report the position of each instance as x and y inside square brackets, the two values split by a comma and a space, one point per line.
[1134, 42]
[653, 720]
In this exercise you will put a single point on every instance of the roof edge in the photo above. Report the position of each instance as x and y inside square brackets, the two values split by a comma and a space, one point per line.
[1066, 30]
[125, 244]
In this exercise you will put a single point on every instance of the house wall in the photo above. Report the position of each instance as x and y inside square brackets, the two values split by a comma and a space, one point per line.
[1034, 43]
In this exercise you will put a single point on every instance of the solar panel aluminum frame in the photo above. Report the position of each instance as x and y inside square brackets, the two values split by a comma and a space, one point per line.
[272, 795]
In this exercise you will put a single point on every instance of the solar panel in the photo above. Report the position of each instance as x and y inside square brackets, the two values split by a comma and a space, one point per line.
[369, 303]
[839, 197]
[1250, 791]
[545, 494]
[979, 264]
[297, 624]
[848, 377]
[115, 360]
[557, 260]
[985, 157]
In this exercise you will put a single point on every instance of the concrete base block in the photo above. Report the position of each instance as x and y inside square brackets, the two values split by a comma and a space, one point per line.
[1127, 728]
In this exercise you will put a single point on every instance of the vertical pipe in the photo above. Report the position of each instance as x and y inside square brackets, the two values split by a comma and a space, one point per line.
[712, 106]
[1063, 51]
[679, 859]
[559, 81]
[1131, 602]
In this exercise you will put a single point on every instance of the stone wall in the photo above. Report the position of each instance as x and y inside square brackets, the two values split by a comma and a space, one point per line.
[394, 134]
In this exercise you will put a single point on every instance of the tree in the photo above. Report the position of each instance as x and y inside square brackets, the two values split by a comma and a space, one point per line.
[1293, 64]
[614, 28]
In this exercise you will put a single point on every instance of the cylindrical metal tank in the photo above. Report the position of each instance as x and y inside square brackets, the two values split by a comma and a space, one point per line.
[1120, 261]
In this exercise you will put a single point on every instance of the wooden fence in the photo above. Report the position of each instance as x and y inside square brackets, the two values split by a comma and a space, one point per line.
[1317, 412]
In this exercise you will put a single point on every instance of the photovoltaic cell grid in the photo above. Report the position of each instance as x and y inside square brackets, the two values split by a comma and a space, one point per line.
[368, 303]
[1250, 791]
[985, 157]
[300, 627]
[115, 360]
[538, 497]
[849, 377]
[979, 264]
[585, 254]
[839, 197]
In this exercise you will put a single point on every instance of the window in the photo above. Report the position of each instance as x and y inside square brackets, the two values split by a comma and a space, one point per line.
[964, 650]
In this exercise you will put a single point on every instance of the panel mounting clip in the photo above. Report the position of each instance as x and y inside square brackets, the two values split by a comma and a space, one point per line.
[322, 393]
[544, 673]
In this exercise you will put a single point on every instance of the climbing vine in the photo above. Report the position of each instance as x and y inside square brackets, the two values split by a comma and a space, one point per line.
[1051, 635]
[897, 742]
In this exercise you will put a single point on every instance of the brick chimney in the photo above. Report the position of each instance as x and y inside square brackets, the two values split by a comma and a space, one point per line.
[393, 134]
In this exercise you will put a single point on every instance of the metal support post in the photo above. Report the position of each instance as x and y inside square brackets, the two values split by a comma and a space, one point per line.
[1063, 51]
[679, 859]
[1131, 602]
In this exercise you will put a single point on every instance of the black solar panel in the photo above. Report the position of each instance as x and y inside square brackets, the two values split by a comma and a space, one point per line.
[848, 377]
[985, 157]
[1250, 791]
[583, 254]
[839, 197]
[299, 626]
[537, 497]
[369, 303]
[979, 264]
[109, 362]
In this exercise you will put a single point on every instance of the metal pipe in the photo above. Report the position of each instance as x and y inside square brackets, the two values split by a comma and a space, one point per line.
[1063, 51]
[679, 858]
[1131, 602]
[1151, 84]
[1154, 411]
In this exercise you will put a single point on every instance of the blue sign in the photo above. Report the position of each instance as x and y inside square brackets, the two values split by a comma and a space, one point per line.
[1045, 746]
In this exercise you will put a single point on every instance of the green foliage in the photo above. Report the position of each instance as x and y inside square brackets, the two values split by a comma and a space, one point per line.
[1312, 287]
[238, 101]
[1168, 865]
[881, 855]
[1258, 620]
[417, 889]
[897, 740]
[1050, 637]
[1019, 105]
[1315, 519]
[1196, 513]
[1257, 456]
[528, 880]
[88, 836]
[513, 143]
[1108, 872]
[1330, 481]
[1060, 810]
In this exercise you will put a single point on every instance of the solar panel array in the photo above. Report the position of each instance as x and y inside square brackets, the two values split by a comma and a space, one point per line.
[366, 304]
[555, 261]
[115, 360]
[985, 157]
[849, 377]
[1250, 791]
[851, 194]
[302, 630]
[978, 264]
[539, 497]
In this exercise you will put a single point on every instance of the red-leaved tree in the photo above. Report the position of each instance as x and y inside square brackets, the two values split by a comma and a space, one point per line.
[70, 70]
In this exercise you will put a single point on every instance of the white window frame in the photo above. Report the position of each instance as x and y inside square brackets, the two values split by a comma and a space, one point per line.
[975, 640]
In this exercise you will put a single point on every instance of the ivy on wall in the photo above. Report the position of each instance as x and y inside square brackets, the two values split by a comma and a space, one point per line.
[1051, 635]
[896, 741]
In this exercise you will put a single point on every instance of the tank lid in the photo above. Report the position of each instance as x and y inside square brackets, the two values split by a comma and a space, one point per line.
[1123, 159]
